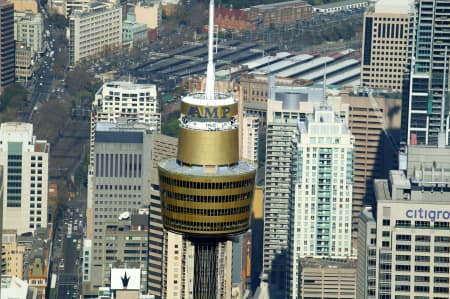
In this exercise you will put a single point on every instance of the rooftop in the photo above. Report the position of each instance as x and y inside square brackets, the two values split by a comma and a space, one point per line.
[394, 7]
[344, 3]
[240, 168]
[324, 263]
[280, 5]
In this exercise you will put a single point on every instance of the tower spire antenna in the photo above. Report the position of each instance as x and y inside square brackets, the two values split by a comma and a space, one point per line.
[324, 98]
[210, 69]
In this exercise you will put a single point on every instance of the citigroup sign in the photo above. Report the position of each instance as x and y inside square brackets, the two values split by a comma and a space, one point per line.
[427, 214]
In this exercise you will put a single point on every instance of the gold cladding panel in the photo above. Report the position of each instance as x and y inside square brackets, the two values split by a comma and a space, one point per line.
[197, 147]
[211, 112]
[189, 220]
[207, 205]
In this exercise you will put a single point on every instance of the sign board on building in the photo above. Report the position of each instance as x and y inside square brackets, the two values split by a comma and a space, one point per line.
[125, 279]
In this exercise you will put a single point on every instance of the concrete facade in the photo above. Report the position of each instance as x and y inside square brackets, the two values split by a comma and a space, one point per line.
[25, 165]
[28, 28]
[385, 44]
[93, 31]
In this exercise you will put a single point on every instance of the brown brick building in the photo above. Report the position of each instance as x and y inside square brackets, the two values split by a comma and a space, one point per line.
[280, 14]
[232, 19]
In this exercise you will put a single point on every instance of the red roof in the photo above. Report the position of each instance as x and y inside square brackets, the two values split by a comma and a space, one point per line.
[229, 12]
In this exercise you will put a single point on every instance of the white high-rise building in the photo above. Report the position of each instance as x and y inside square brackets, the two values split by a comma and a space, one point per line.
[121, 100]
[250, 138]
[29, 28]
[25, 177]
[284, 110]
[94, 30]
[135, 102]
[322, 186]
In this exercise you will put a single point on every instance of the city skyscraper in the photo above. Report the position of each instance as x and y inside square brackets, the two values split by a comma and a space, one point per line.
[283, 114]
[119, 182]
[7, 45]
[321, 193]
[423, 103]
[25, 177]
[385, 44]
[412, 229]
[206, 192]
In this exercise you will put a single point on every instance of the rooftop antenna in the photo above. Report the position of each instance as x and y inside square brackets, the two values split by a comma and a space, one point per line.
[210, 69]
[324, 99]
[442, 133]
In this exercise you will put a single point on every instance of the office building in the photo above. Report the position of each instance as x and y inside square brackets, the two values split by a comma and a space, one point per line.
[135, 104]
[7, 46]
[385, 44]
[25, 164]
[24, 5]
[280, 14]
[93, 31]
[163, 148]
[70, 6]
[118, 182]
[2, 251]
[13, 288]
[412, 221]
[14, 254]
[374, 122]
[321, 192]
[367, 255]
[29, 28]
[206, 192]
[126, 245]
[133, 33]
[326, 279]
[24, 68]
[422, 109]
[149, 12]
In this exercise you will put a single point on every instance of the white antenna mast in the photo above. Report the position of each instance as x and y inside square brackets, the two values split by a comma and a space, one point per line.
[324, 99]
[442, 131]
[210, 70]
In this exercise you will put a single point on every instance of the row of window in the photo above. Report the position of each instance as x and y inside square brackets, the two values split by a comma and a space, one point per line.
[420, 238]
[207, 212]
[423, 258]
[207, 226]
[199, 198]
[203, 185]
[420, 268]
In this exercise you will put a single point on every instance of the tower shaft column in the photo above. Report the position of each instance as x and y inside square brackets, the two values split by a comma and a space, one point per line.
[205, 269]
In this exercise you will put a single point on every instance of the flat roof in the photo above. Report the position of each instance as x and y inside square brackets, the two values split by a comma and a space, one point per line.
[283, 64]
[240, 168]
[252, 64]
[316, 74]
[344, 3]
[279, 4]
[317, 62]
[339, 77]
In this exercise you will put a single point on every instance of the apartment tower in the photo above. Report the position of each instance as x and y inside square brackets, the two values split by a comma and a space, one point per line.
[321, 192]
[206, 192]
